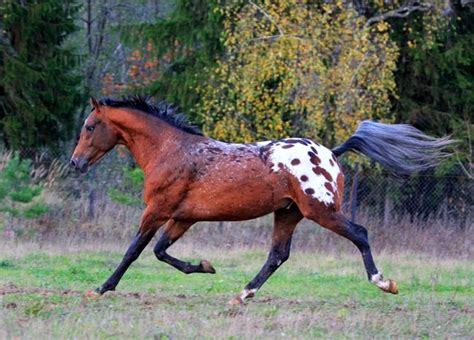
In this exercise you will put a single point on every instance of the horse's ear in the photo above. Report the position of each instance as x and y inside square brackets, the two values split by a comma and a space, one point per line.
[95, 104]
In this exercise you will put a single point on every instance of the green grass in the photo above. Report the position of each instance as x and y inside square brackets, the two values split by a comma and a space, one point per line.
[312, 295]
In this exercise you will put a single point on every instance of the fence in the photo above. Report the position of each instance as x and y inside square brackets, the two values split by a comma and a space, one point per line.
[421, 198]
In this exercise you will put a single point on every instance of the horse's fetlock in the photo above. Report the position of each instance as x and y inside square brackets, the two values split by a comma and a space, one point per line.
[160, 254]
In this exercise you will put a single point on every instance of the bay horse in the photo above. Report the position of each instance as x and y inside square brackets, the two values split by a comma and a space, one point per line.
[191, 178]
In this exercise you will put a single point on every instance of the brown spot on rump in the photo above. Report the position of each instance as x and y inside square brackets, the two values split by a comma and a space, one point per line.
[334, 157]
[291, 141]
[309, 191]
[295, 161]
[314, 150]
[280, 165]
[331, 162]
[304, 142]
[304, 178]
[287, 146]
[321, 171]
[314, 159]
[329, 187]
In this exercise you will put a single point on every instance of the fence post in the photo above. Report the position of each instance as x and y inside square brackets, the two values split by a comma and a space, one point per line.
[92, 196]
[355, 184]
[387, 209]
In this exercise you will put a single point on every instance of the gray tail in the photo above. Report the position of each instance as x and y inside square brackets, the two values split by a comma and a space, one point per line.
[399, 148]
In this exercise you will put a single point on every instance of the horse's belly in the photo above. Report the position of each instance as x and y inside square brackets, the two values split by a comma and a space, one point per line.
[241, 199]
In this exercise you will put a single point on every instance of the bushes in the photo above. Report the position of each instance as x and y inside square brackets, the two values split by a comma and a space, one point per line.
[19, 196]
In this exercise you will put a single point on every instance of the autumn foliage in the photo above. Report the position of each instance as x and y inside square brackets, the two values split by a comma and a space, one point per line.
[297, 69]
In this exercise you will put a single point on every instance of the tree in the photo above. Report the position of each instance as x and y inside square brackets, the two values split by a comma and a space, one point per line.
[186, 43]
[39, 88]
[435, 76]
[296, 68]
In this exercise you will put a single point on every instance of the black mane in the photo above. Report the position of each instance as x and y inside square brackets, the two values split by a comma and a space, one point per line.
[163, 110]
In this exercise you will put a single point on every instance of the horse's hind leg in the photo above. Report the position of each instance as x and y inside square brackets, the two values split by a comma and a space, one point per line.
[285, 223]
[173, 231]
[357, 234]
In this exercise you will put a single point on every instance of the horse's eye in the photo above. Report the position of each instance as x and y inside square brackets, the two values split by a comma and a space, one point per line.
[90, 128]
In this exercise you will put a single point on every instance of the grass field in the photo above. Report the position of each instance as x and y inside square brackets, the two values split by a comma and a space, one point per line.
[312, 295]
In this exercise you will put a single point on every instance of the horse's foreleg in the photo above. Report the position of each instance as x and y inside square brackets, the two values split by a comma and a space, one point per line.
[357, 234]
[285, 223]
[174, 230]
[148, 227]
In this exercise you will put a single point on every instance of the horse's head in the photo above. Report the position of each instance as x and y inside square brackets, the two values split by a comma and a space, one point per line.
[97, 137]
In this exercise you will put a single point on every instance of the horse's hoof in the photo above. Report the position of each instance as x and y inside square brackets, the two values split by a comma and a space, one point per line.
[392, 288]
[92, 294]
[236, 301]
[103, 289]
[207, 267]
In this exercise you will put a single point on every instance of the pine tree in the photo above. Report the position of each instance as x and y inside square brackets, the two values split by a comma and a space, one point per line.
[435, 75]
[188, 43]
[38, 88]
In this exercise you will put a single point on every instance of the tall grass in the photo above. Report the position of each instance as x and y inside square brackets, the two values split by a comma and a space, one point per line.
[70, 220]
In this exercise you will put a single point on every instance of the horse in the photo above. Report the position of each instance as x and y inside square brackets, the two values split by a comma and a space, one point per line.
[190, 178]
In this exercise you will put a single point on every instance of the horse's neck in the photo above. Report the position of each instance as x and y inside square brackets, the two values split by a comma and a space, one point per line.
[148, 138]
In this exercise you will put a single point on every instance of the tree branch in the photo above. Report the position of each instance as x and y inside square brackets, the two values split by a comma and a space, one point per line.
[401, 12]
[261, 10]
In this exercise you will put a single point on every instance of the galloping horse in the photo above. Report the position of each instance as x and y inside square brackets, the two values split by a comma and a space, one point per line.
[191, 178]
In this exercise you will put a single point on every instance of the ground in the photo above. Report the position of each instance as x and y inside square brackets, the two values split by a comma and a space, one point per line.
[42, 295]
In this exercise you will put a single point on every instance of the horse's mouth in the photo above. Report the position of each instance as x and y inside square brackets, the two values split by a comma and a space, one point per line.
[84, 169]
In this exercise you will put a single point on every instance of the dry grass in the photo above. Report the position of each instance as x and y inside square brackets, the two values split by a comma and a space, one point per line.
[69, 222]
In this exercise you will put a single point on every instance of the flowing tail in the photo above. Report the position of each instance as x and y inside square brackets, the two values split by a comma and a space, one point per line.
[400, 148]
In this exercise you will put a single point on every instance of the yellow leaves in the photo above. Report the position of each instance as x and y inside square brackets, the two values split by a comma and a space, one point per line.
[382, 26]
[296, 69]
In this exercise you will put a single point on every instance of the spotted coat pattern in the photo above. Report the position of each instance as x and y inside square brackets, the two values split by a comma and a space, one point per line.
[313, 165]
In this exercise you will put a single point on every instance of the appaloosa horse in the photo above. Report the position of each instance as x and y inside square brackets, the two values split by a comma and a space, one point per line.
[191, 178]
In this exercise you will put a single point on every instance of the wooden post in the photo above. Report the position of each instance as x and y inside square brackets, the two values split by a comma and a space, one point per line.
[92, 196]
[387, 209]
[355, 184]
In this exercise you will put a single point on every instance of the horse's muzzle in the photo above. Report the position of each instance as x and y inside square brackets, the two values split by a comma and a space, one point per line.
[79, 164]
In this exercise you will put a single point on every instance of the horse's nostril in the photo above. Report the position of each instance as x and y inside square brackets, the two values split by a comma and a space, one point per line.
[73, 163]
